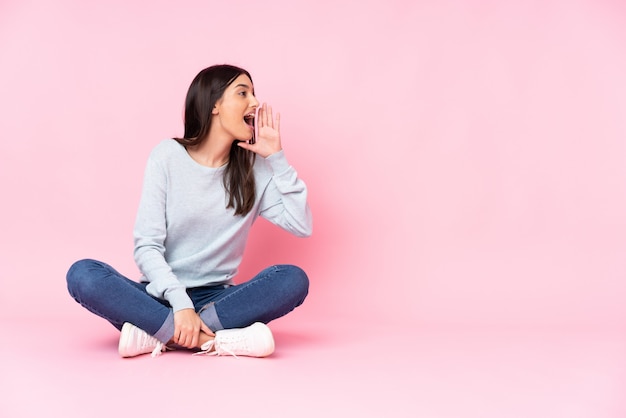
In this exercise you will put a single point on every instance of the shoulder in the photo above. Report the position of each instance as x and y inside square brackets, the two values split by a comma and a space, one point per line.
[166, 151]
[166, 148]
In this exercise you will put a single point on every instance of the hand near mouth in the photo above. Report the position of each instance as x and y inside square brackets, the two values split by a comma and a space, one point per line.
[268, 138]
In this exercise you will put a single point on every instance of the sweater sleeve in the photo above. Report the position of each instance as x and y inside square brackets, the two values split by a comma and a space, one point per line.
[149, 236]
[284, 201]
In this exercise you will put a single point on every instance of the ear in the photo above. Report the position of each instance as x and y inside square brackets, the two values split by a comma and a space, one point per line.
[216, 107]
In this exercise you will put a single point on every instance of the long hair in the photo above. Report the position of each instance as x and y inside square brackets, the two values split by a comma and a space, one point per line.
[204, 92]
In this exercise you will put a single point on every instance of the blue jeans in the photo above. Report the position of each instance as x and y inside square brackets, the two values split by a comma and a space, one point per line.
[272, 293]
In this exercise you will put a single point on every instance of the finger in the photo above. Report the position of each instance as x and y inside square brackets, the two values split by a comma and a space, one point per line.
[255, 130]
[187, 341]
[244, 145]
[264, 118]
[278, 122]
[260, 117]
[204, 328]
[270, 118]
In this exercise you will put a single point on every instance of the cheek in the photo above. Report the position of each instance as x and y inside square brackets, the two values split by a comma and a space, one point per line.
[233, 113]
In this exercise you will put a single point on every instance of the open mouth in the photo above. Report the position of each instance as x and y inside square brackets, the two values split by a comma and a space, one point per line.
[249, 119]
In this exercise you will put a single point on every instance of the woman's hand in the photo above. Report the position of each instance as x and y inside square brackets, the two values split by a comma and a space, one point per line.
[268, 138]
[187, 327]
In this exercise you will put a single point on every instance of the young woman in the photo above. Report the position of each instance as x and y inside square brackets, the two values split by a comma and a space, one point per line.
[201, 195]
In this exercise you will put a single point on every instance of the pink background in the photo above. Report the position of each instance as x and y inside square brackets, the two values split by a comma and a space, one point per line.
[466, 160]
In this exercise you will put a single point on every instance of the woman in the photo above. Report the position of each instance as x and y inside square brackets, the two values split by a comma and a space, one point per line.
[201, 194]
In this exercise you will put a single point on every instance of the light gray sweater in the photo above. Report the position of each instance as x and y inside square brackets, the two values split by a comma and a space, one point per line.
[184, 235]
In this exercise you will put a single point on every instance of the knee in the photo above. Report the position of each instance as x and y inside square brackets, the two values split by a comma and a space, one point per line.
[80, 269]
[297, 280]
[79, 276]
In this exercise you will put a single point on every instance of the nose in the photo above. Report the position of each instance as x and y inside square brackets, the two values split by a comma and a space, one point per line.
[254, 103]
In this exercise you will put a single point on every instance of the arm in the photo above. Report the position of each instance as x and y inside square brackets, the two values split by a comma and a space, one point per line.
[150, 233]
[284, 201]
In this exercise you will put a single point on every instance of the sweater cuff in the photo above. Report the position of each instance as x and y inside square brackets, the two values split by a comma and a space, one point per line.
[179, 300]
[278, 162]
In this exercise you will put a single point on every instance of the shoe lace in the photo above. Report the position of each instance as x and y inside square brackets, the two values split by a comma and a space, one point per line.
[160, 347]
[207, 349]
[214, 348]
[224, 349]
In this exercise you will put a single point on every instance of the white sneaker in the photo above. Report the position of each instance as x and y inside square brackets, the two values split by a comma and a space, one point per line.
[135, 341]
[253, 341]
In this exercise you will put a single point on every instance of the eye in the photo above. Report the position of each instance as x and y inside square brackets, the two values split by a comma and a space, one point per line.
[242, 93]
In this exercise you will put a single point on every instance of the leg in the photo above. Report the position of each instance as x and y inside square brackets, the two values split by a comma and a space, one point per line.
[105, 292]
[272, 293]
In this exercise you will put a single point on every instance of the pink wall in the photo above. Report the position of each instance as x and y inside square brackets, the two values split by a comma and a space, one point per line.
[466, 160]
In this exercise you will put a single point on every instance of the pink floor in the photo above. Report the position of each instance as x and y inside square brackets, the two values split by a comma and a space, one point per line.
[328, 368]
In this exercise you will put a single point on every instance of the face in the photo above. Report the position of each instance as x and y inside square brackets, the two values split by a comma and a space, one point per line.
[233, 115]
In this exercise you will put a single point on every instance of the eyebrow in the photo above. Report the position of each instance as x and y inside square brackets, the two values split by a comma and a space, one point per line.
[242, 85]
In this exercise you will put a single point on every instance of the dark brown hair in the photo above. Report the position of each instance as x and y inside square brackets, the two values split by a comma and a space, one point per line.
[204, 92]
